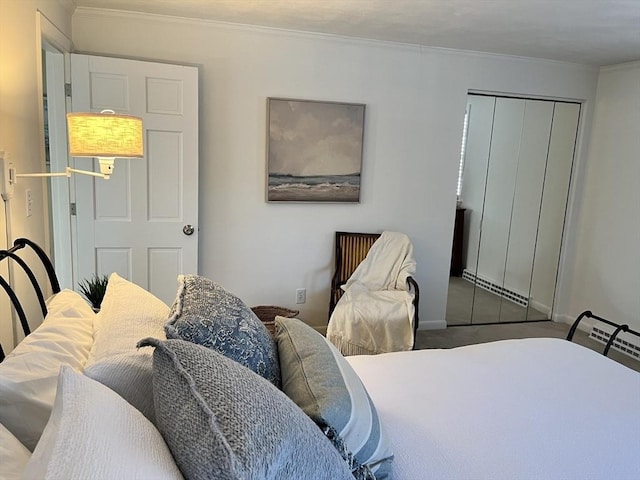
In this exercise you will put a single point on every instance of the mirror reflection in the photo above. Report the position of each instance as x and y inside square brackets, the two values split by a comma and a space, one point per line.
[515, 169]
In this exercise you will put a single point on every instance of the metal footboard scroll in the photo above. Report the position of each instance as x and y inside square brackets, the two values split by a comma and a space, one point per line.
[618, 328]
[19, 244]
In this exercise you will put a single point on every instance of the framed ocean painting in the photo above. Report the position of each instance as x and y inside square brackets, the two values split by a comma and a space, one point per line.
[314, 150]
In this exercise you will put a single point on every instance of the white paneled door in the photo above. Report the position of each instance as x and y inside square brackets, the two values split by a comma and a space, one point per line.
[143, 222]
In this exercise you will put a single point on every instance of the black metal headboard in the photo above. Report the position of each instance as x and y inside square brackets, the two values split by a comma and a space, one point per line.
[19, 244]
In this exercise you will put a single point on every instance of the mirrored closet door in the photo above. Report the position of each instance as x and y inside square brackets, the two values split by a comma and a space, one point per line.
[515, 173]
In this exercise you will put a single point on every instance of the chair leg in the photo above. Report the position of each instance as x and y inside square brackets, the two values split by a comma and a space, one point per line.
[416, 302]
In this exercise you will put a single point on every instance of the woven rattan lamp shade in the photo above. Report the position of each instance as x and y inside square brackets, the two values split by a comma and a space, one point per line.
[104, 135]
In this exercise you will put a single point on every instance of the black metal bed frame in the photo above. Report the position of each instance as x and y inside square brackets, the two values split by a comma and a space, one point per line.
[19, 244]
[618, 329]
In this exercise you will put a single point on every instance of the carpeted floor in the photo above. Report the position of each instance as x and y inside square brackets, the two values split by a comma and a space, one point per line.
[455, 336]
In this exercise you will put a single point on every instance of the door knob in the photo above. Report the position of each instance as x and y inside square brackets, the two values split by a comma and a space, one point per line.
[188, 230]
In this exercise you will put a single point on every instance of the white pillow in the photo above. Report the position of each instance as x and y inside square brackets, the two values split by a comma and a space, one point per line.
[95, 434]
[13, 455]
[130, 375]
[29, 374]
[128, 314]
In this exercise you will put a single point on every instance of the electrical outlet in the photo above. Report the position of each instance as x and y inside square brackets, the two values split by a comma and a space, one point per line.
[301, 295]
[29, 201]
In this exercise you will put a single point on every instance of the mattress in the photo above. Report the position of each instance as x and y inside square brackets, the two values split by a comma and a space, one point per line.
[532, 408]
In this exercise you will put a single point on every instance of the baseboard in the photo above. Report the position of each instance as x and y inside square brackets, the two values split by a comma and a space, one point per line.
[432, 325]
[585, 325]
[539, 306]
[564, 318]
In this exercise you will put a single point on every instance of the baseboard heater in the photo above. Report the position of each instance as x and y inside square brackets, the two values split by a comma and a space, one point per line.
[629, 347]
[515, 297]
[607, 332]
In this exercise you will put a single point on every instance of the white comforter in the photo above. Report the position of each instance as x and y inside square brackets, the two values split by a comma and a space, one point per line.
[514, 409]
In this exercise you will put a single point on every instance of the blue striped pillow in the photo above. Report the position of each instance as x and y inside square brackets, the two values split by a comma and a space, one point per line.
[322, 383]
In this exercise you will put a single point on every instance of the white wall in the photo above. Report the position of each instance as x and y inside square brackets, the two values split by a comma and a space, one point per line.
[607, 262]
[415, 101]
[21, 130]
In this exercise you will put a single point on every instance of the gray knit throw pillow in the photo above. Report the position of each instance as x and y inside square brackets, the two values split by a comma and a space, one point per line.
[222, 421]
[205, 313]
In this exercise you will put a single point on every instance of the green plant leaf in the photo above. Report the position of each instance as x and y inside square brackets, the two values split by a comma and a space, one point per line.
[94, 289]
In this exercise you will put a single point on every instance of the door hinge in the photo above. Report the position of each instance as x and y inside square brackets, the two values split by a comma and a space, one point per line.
[67, 89]
[72, 208]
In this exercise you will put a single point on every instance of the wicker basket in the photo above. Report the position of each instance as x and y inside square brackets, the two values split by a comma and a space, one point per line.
[268, 313]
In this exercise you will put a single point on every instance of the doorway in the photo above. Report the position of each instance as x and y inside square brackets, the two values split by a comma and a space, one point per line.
[515, 173]
[54, 73]
[142, 223]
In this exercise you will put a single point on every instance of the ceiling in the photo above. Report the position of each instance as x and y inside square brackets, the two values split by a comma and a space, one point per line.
[595, 32]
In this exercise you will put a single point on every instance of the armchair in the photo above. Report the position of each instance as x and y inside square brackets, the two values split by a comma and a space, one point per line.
[351, 249]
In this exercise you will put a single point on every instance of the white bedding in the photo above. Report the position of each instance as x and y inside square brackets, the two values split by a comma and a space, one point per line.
[514, 409]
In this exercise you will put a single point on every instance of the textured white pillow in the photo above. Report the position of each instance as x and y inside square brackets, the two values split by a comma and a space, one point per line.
[13, 455]
[29, 374]
[130, 375]
[95, 434]
[128, 314]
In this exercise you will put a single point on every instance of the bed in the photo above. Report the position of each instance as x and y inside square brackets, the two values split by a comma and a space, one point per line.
[141, 390]
[533, 408]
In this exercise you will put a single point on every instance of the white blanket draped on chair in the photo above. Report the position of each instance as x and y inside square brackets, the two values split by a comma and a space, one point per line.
[375, 313]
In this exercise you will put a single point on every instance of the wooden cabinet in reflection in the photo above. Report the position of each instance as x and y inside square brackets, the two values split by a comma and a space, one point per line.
[457, 264]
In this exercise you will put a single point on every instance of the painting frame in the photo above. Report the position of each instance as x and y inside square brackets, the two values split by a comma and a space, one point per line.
[314, 151]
